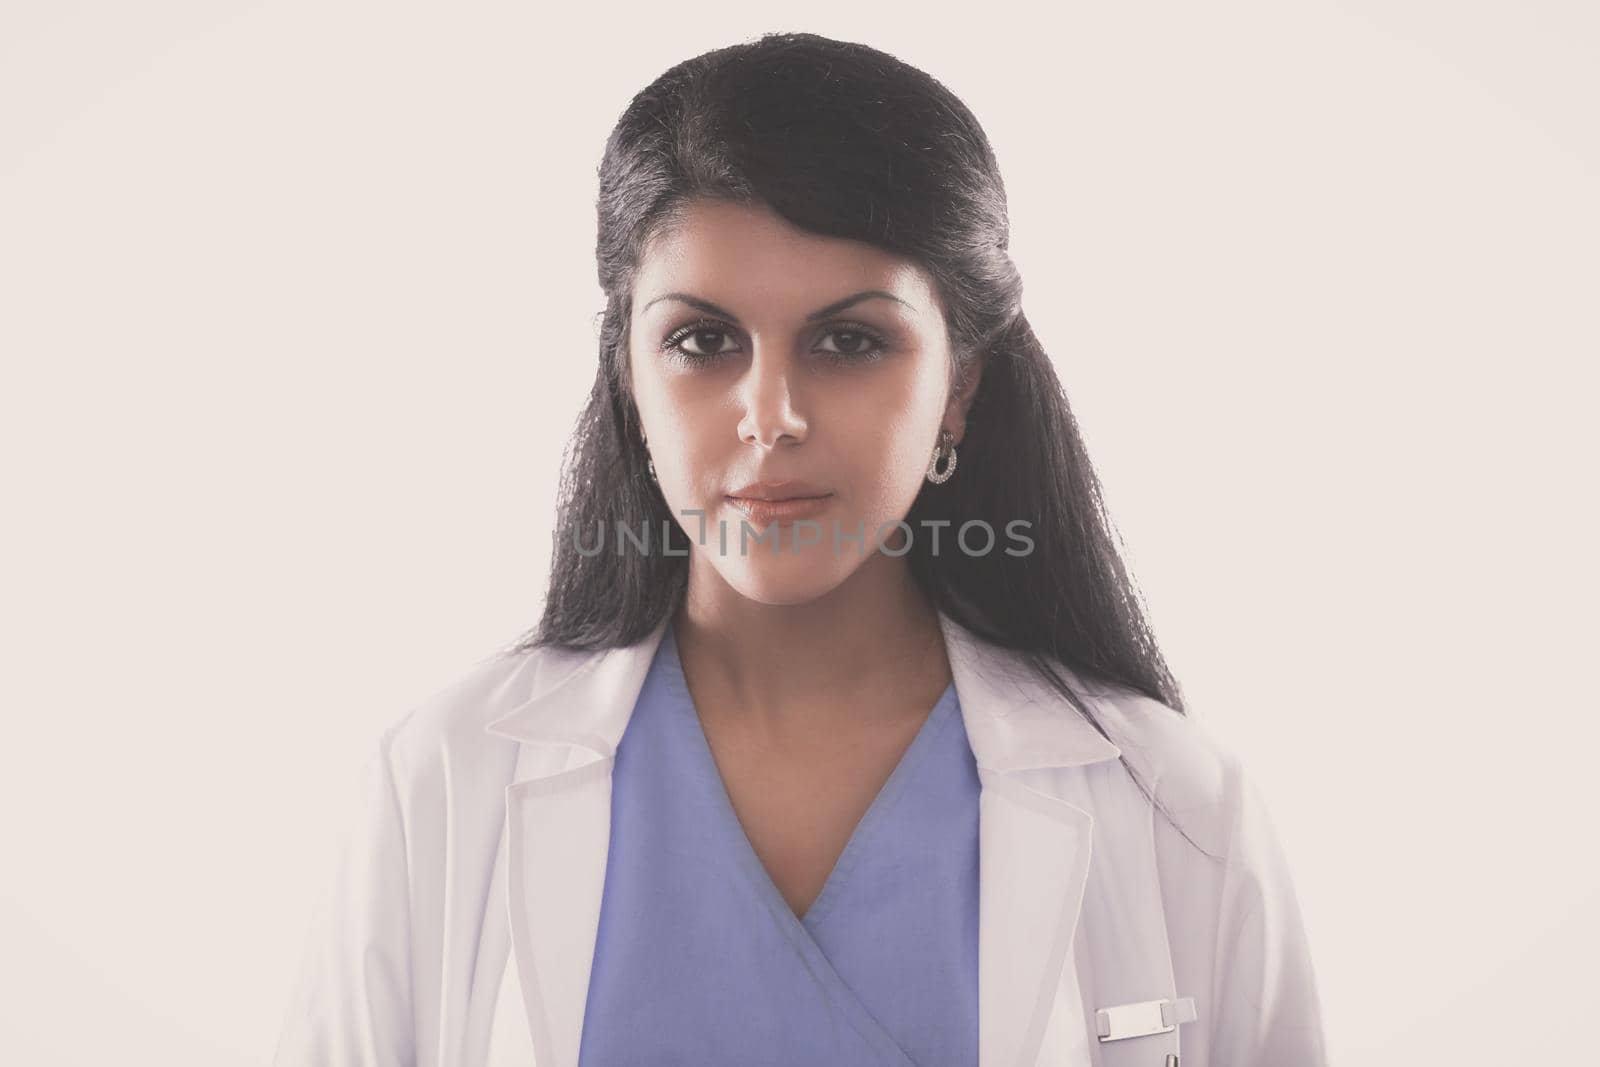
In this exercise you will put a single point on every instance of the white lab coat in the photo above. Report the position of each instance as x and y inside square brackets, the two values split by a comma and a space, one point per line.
[461, 923]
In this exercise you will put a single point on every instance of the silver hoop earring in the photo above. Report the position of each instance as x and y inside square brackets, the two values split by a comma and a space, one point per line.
[946, 448]
[651, 464]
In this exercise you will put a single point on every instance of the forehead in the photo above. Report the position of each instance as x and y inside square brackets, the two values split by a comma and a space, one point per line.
[749, 254]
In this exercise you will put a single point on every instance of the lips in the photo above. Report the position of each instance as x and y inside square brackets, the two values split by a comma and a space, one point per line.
[765, 512]
[767, 502]
[787, 489]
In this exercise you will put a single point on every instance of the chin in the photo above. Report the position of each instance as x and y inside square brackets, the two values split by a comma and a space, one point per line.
[784, 577]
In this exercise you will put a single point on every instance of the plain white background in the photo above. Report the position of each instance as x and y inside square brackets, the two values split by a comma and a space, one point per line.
[297, 308]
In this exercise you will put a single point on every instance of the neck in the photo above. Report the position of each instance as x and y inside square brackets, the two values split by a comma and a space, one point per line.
[870, 649]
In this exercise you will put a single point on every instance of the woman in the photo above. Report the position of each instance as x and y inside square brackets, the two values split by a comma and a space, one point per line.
[842, 738]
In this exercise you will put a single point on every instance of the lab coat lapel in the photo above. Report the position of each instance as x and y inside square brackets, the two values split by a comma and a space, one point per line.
[1034, 843]
[1033, 852]
[558, 834]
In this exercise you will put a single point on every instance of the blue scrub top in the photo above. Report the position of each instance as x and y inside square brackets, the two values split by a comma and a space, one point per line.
[700, 960]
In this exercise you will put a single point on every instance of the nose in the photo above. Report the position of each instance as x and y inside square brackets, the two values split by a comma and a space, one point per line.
[770, 411]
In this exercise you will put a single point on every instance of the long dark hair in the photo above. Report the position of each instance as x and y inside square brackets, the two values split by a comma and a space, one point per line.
[844, 140]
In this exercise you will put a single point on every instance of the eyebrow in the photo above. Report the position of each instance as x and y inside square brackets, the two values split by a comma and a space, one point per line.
[821, 313]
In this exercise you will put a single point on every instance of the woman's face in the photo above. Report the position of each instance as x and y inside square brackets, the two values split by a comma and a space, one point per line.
[762, 353]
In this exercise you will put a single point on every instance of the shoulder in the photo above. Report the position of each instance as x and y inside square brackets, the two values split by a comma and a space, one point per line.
[1234, 918]
[1188, 765]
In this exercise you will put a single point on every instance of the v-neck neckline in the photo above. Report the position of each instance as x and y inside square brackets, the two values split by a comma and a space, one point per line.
[882, 802]
[798, 931]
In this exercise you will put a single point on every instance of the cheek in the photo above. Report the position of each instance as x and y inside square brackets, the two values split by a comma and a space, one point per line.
[889, 441]
[692, 422]
[699, 411]
[671, 406]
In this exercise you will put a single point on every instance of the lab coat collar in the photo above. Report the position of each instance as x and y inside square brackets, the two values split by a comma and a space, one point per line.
[1035, 835]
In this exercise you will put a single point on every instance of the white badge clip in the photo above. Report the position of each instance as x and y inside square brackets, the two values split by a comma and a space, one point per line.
[1144, 1018]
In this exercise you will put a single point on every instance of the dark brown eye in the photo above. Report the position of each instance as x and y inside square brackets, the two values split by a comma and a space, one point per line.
[854, 344]
[704, 341]
[707, 341]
